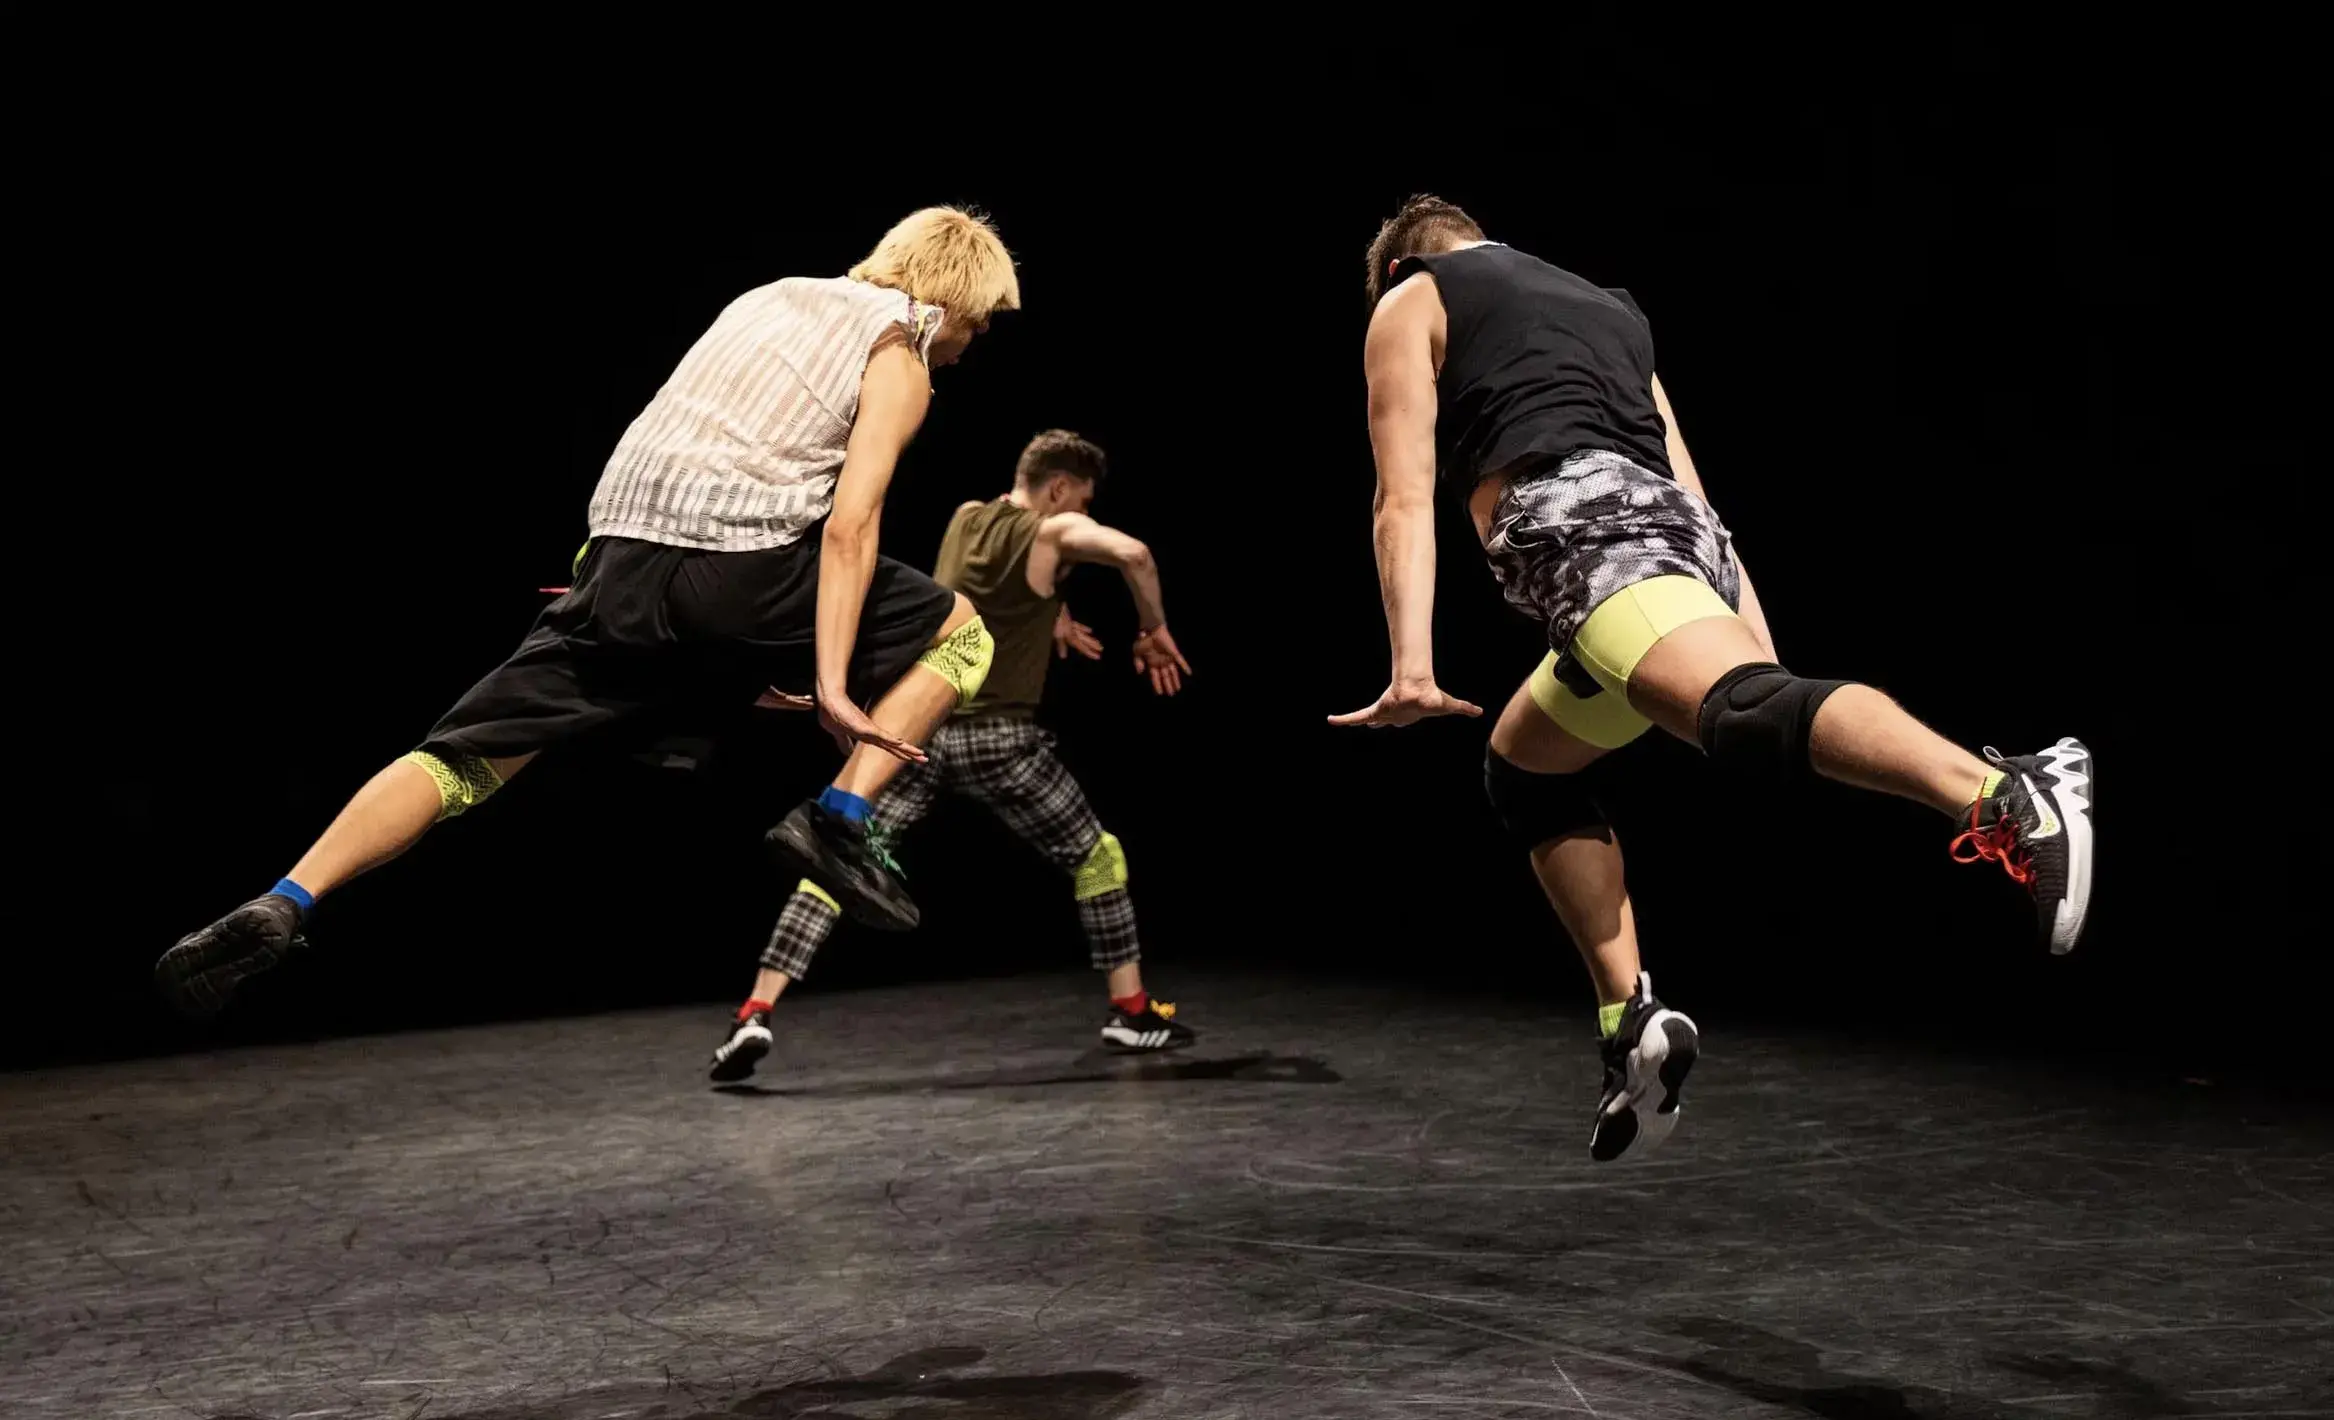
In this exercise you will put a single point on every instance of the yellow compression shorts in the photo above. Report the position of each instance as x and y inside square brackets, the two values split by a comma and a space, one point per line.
[1609, 645]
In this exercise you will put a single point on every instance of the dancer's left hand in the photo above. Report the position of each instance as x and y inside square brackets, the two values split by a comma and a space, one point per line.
[1157, 656]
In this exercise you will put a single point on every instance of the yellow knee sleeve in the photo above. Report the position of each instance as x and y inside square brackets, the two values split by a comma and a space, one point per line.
[1609, 645]
[463, 783]
[962, 659]
[1103, 871]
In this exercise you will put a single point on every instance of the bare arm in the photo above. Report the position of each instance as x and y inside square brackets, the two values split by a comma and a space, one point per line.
[1682, 464]
[893, 396]
[1398, 357]
[1077, 538]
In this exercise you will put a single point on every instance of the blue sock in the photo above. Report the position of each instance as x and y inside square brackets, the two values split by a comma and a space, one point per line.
[850, 806]
[287, 888]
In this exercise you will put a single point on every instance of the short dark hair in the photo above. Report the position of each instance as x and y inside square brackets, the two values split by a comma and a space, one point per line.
[1056, 452]
[1424, 224]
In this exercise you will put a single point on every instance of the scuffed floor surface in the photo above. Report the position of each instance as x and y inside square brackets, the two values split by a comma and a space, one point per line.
[934, 1203]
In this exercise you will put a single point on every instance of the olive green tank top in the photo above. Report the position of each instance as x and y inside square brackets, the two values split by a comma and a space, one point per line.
[986, 557]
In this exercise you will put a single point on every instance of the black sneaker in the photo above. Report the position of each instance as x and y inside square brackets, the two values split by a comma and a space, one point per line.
[851, 861]
[1645, 1062]
[743, 1048]
[1152, 1028]
[2037, 825]
[200, 974]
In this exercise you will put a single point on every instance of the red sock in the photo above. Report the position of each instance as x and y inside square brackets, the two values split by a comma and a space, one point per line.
[1133, 1005]
[752, 1006]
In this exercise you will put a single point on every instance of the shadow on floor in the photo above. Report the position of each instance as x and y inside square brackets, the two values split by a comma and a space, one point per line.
[1781, 1370]
[916, 1386]
[1095, 1067]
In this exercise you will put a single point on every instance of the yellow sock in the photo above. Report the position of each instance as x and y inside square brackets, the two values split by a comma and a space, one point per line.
[1609, 1019]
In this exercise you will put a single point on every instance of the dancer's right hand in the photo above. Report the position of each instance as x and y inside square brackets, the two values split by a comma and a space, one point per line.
[850, 725]
[1407, 704]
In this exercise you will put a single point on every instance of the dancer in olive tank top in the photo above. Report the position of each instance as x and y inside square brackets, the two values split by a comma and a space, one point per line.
[1007, 557]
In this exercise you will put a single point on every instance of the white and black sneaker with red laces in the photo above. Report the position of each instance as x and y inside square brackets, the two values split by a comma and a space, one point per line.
[2037, 824]
[1646, 1062]
[744, 1046]
[1152, 1028]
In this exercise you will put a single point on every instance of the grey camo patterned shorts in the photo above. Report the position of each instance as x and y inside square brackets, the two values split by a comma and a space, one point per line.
[1565, 538]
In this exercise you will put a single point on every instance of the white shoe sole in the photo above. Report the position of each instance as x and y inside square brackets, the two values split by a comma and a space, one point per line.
[2069, 764]
[738, 1056]
[1667, 1048]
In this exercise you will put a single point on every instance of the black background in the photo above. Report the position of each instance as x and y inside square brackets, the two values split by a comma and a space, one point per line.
[1997, 365]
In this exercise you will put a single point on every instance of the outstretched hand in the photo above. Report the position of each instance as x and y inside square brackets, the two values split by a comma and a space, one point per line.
[1407, 704]
[851, 726]
[1073, 635]
[1157, 656]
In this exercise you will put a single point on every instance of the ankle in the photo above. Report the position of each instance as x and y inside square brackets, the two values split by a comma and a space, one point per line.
[1133, 1005]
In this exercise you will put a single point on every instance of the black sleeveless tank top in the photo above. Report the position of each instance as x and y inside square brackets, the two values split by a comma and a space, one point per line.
[1538, 364]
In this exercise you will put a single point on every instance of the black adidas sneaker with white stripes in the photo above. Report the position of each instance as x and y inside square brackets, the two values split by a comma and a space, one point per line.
[1645, 1068]
[2037, 825]
[743, 1047]
[1152, 1028]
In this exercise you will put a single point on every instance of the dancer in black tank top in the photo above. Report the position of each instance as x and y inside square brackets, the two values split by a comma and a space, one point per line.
[1531, 394]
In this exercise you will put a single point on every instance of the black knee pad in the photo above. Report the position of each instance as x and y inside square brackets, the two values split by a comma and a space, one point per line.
[1757, 717]
[1538, 808]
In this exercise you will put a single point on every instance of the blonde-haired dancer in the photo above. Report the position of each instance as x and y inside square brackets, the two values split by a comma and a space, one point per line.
[733, 544]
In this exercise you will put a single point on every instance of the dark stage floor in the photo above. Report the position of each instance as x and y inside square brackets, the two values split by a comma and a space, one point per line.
[1349, 1202]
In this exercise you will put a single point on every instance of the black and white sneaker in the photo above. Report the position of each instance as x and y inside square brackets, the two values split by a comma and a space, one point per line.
[2037, 825]
[850, 860]
[1152, 1028]
[1646, 1063]
[743, 1048]
[199, 975]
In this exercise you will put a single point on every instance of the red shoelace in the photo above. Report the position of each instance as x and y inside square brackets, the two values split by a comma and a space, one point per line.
[1995, 843]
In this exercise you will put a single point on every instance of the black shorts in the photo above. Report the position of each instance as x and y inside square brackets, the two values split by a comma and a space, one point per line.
[654, 636]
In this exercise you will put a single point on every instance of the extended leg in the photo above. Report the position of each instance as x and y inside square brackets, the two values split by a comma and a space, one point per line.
[1707, 681]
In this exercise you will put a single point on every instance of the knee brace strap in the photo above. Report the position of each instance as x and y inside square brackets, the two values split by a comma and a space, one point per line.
[1539, 808]
[464, 782]
[962, 659]
[1759, 715]
[1103, 871]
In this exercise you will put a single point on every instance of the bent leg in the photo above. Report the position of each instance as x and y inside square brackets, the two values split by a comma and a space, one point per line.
[1573, 851]
[943, 679]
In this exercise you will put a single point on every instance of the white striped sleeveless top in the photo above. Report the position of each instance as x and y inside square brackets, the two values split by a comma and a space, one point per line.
[740, 449]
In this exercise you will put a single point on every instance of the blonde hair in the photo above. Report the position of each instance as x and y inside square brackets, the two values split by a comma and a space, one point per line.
[946, 256]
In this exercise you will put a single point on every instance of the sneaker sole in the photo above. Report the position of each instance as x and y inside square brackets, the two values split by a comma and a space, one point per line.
[1121, 1044]
[800, 849]
[1666, 1051]
[2074, 790]
[736, 1060]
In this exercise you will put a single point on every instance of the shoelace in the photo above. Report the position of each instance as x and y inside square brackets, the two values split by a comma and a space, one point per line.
[1164, 1010]
[1996, 842]
[879, 840]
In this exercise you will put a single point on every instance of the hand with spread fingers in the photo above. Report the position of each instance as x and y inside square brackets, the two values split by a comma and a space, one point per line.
[1157, 656]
